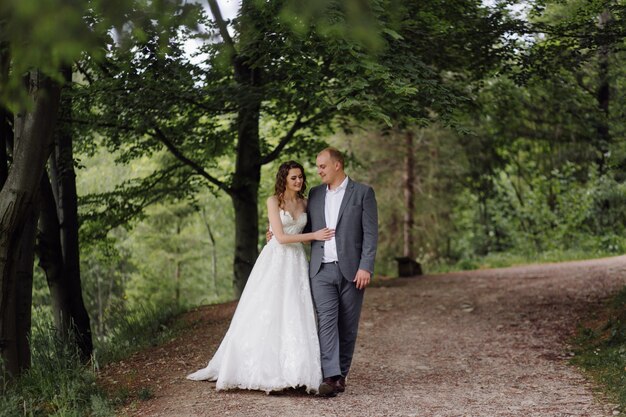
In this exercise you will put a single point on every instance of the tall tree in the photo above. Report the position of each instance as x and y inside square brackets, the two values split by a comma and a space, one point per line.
[33, 144]
[409, 194]
[456, 45]
[41, 54]
[58, 246]
[63, 179]
[603, 96]
[273, 88]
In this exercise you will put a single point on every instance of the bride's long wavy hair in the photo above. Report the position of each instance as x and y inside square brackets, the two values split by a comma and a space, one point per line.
[281, 181]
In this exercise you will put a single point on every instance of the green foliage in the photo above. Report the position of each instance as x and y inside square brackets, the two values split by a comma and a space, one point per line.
[378, 160]
[351, 19]
[312, 78]
[600, 347]
[145, 393]
[529, 213]
[47, 35]
[132, 330]
[542, 213]
[136, 268]
[57, 384]
[545, 171]
[174, 253]
[607, 212]
[105, 269]
[269, 89]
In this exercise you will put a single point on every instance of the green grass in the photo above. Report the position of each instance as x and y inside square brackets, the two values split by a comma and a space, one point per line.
[506, 259]
[600, 348]
[59, 385]
[145, 393]
[135, 330]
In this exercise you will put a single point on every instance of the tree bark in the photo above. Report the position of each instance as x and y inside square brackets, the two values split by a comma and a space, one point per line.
[6, 137]
[246, 235]
[213, 250]
[65, 286]
[245, 194]
[177, 263]
[6, 128]
[247, 178]
[177, 276]
[603, 97]
[24, 288]
[409, 193]
[51, 258]
[100, 321]
[33, 145]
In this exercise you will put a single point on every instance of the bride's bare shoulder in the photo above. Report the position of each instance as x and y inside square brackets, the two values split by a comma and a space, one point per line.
[272, 201]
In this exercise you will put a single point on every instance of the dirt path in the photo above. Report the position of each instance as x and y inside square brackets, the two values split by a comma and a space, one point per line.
[480, 343]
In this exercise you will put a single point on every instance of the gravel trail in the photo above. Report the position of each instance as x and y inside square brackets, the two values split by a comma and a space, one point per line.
[479, 343]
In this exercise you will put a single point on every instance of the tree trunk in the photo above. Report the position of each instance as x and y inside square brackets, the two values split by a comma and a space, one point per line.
[245, 198]
[100, 322]
[24, 288]
[247, 178]
[33, 145]
[177, 283]
[68, 285]
[51, 258]
[6, 128]
[67, 205]
[603, 98]
[178, 264]
[409, 193]
[213, 251]
[6, 137]
[246, 235]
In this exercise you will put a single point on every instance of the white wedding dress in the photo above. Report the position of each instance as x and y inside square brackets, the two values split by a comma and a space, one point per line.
[272, 341]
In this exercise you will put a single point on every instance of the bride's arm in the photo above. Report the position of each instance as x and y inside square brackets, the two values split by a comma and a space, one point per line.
[277, 227]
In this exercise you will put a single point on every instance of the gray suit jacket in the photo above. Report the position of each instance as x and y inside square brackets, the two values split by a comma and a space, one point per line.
[356, 234]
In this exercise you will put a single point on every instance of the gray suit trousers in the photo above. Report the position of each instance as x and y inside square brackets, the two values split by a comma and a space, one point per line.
[338, 305]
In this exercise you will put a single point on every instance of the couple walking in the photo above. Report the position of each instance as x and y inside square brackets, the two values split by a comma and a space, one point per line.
[296, 322]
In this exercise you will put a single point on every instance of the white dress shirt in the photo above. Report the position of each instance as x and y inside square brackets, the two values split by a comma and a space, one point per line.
[331, 212]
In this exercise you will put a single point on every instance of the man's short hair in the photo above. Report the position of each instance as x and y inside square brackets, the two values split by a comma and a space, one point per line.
[335, 154]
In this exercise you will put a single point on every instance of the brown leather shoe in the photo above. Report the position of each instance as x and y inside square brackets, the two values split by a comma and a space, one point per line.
[327, 388]
[340, 384]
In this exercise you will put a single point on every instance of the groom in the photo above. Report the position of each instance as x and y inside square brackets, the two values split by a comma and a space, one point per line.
[342, 267]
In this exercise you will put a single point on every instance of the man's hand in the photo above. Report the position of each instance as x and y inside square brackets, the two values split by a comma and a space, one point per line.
[268, 235]
[362, 279]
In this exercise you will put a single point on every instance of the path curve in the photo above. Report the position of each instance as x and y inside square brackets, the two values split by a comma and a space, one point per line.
[479, 343]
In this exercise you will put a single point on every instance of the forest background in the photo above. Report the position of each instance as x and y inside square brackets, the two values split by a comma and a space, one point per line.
[492, 133]
[521, 164]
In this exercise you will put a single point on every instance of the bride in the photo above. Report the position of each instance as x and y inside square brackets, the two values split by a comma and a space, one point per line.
[272, 341]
